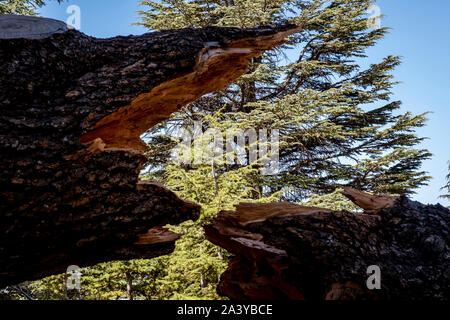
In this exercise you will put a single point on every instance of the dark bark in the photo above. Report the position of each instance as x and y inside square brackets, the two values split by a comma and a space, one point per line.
[285, 251]
[72, 110]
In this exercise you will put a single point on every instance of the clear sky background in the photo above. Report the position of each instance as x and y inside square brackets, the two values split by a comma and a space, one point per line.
[421, 34]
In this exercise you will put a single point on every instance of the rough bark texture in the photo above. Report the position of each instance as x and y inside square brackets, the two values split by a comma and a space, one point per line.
[285, 251]
[73, 108]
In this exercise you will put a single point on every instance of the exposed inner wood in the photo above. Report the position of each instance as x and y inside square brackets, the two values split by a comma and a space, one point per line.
[216, 68]
[158, 235]
[370, 203]
[247, 213]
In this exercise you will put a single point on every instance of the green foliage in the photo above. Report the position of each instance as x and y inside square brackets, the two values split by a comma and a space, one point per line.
[175, 14]
[106, 281]
[196, 264]
[333, 130]
[21, 7]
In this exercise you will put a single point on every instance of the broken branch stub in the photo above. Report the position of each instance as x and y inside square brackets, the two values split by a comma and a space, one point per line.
[73, 108]
[286, 251]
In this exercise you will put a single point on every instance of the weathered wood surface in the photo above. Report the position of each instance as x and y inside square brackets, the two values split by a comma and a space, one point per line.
[285, 251]
[73, 108]
[15, 27]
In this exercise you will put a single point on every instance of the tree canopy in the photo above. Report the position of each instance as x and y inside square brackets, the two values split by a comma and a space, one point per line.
[337, 124]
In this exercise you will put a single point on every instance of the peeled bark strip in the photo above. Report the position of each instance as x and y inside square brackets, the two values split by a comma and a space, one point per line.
[286, 251]
[73, 108]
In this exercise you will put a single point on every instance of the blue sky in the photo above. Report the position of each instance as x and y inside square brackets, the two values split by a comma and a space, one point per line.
[421, 34]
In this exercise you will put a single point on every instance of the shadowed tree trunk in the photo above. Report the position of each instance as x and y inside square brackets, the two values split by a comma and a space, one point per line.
[73, 108]
[286, 251]
[129, 280]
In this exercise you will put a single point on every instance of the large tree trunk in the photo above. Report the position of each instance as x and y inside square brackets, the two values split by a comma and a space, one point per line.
[283, 250]
[72, 111]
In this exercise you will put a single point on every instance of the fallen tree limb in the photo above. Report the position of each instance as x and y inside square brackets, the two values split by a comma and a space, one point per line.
[286, 251]
[73, 108]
